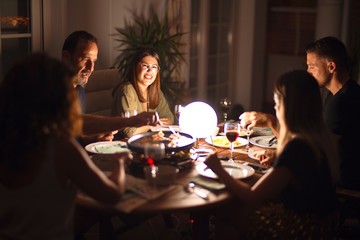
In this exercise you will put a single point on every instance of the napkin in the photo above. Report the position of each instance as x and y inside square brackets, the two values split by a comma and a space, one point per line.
[208, 183]
[138, 192]
[144, 190]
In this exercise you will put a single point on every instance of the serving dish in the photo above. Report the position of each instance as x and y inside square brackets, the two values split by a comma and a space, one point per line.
[137, 142]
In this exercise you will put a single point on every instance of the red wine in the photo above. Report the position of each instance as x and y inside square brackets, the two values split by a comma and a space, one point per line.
[232, 136]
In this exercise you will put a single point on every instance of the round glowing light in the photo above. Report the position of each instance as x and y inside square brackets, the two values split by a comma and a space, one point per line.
[198, 119]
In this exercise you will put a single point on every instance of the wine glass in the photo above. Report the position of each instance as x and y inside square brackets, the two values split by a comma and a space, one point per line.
[154, 153]
[225, 104]
[177, 111]
[130, 112]
[232, 131]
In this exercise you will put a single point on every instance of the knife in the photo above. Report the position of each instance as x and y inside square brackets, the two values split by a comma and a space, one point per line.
[202, 193]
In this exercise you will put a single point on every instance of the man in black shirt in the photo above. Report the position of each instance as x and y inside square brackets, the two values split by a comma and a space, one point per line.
[326, 60]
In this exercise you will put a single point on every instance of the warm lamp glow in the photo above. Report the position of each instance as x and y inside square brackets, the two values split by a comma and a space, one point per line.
[198, 119]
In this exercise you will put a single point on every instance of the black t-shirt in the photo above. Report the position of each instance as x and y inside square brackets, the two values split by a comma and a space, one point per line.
[312, 190]
[342, 117]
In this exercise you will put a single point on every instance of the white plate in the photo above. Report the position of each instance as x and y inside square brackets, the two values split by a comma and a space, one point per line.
[106, 147]
[255, 154]
[262, 141]
[165, 128]
[223, 142]
[236, 170]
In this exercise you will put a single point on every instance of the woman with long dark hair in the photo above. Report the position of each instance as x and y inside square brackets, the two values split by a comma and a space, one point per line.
[302, 178]
[140, 91]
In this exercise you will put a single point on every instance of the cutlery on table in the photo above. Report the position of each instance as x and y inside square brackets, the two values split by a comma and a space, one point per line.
[272, 141]
[191, 188]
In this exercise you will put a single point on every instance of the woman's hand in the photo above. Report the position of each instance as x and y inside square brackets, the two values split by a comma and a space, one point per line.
[213, 162]
[268, 158]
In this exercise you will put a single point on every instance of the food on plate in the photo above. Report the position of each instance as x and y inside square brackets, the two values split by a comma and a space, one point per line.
[223, 141]
[171, 140]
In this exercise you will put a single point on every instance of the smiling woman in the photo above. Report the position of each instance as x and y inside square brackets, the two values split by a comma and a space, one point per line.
[140, 91]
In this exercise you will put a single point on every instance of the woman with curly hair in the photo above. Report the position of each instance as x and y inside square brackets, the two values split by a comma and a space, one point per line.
[41, 163]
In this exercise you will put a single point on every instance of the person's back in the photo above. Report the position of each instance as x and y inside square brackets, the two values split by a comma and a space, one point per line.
[40, 208]
[40, 160]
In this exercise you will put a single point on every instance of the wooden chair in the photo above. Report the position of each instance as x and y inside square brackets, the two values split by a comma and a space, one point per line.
[99, 91]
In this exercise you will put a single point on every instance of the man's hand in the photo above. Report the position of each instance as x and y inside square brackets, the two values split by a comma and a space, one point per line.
[146, 118]
[259, 119]
[87, 139]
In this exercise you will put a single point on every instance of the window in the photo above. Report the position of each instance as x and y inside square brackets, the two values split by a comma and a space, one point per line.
[211, 49]
[290, 27]
[19, 23]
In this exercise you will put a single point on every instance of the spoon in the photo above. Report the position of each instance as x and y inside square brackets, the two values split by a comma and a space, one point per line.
[190, 188]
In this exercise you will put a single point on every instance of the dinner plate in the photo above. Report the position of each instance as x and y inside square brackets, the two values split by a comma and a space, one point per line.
[107, 147]
[262, 141]
[236, 170]
[223, 142]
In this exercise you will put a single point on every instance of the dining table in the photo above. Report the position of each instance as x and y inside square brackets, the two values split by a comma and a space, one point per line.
[177, 198]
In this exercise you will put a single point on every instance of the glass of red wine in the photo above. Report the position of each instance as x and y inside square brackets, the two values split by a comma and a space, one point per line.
[232, 131]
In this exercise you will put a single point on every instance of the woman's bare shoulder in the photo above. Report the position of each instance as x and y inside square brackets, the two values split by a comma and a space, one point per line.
[68, 146]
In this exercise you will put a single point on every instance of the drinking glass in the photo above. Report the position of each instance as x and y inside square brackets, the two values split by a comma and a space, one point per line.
[232, 131]
[177, 111]
[130, 112]
[154, 153]
[225, 104]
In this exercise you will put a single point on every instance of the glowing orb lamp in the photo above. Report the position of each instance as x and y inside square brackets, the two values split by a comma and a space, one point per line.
[198, 119]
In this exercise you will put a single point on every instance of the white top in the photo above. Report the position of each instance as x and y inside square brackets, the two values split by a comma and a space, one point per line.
[41, 210]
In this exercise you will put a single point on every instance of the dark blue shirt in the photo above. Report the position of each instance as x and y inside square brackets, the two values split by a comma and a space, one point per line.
[82, 97]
